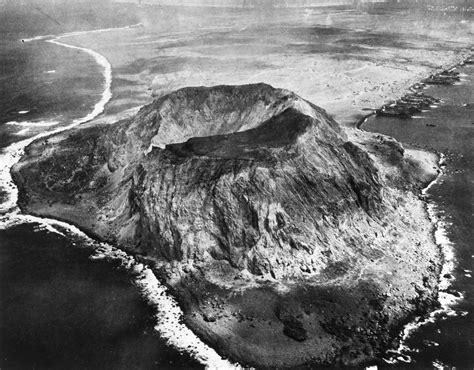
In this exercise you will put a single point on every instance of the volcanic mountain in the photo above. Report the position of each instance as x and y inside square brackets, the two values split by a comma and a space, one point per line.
[287, 239]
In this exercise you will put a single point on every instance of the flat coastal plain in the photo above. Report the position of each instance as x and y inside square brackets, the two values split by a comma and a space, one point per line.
[343, 60]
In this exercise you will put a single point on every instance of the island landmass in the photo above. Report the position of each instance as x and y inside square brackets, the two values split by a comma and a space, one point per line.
[286, 239]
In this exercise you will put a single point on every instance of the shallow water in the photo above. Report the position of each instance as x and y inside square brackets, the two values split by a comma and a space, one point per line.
[58, 308]
[36, 86]
[449, 340]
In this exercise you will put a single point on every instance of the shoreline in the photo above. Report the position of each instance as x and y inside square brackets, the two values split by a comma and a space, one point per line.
[168, 325]
[156, 293]
[442, 299]
[168, 314]
[445, 299]
[332, 331]
[14, 152]
[357, 118]
[129, 260]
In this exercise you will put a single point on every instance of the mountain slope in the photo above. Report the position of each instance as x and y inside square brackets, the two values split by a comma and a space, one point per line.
[286, 239]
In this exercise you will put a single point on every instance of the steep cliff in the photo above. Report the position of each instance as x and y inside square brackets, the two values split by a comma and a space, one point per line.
[286, 240]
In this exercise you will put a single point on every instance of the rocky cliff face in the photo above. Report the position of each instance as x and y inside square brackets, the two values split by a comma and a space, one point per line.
[245, 194]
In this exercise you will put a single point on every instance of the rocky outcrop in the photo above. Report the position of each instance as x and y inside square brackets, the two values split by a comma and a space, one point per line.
[287, 240]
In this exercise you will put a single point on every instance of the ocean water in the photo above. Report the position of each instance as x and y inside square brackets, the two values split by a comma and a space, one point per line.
[447, 128]
[36, 87]
[61, 310]
[64, 305]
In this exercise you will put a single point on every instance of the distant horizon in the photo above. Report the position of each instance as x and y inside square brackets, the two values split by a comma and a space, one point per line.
[236, 3]
[252, 3]
[291, 3]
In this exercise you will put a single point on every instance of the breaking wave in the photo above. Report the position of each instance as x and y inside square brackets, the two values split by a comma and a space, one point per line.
[33, 123]
[446, 297]
[168, 315]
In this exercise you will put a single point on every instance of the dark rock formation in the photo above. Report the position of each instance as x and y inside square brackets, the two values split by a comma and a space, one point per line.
[292, 241]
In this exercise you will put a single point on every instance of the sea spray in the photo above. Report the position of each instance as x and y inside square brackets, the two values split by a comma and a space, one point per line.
[446, 299]
[33, 123]
[13, 153]
[30, 125]
[168, 314]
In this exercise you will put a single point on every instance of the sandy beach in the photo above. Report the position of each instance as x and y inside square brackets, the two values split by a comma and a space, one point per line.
[345, 62]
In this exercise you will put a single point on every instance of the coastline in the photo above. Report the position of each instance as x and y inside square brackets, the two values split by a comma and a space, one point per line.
[343, 80]
[168, 315]
[145, 281]
[394, 311]
[446, 298]
[358, 119]
[14, 152]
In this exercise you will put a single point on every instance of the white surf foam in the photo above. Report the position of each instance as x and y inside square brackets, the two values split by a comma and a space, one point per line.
[168, 315]
[44, 37]
[13, 153]
[33, 123]
[437, 364]
[37, 38]
[445, 297]
[23, 132]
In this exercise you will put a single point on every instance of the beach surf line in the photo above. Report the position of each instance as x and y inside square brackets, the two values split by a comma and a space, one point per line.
[168, 313]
